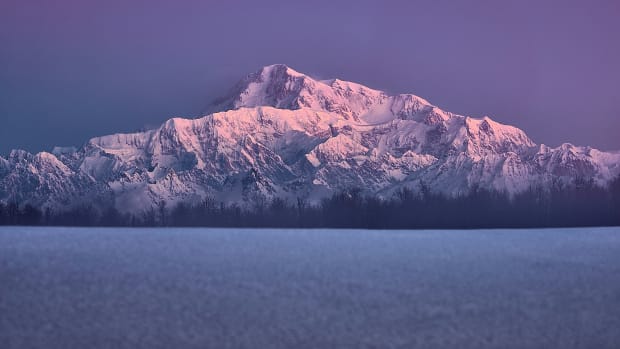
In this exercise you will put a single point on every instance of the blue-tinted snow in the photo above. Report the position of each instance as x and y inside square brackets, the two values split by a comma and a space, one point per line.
[221, 288]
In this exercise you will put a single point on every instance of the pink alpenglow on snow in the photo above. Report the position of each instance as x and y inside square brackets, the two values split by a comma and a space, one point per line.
[281, 133]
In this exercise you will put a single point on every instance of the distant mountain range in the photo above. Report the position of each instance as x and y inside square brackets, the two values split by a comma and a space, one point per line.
[280, 133]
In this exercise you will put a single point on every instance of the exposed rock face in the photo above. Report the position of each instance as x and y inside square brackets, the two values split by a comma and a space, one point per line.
[282, 133]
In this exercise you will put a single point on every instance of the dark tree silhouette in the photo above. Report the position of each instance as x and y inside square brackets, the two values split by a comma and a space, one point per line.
[580, 204]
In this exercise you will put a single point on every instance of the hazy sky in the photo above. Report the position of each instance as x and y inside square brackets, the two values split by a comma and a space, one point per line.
[71, 70]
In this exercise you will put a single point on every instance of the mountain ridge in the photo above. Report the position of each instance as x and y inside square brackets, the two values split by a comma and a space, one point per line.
[281, 133]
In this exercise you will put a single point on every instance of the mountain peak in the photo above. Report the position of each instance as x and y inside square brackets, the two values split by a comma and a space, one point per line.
[282, 87]
[275, 85]
[281, 68]
[281, 133]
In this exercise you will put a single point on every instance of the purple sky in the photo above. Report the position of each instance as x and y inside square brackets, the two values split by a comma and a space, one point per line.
[71, 70]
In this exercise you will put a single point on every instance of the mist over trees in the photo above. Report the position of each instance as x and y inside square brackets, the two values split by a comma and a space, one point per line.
[583, 204]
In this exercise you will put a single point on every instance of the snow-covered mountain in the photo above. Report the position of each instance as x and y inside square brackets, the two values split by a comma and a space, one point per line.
[280, 133]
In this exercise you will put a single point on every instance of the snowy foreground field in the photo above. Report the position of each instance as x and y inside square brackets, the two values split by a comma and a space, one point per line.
[226, 288]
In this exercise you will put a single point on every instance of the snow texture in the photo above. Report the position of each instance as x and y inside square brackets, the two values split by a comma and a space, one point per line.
[219, 288]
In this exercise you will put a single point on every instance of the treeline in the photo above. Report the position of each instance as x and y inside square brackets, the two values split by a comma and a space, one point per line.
[581, 205]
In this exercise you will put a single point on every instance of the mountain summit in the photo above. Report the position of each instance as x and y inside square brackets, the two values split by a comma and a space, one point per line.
[281, 87]
[281, 133]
